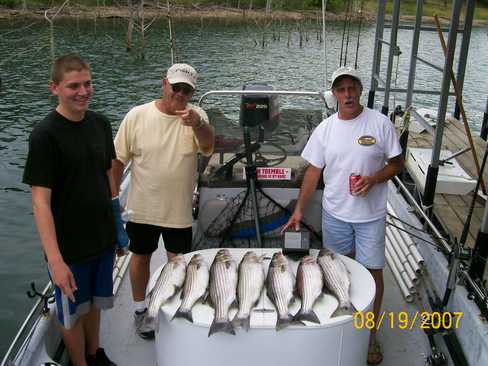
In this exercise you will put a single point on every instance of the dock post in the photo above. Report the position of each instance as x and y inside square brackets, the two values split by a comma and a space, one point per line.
[433, 170]
[393, 50]
[414, 53]
[463, 54]
[484, 125]
[411, 73]
[378, 38]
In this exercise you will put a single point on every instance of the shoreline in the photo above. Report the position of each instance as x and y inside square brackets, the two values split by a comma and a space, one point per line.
[213, 12]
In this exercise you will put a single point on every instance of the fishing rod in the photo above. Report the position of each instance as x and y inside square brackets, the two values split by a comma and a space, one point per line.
[324, 7]
[344, 32]
[359, 33]
[348, 31]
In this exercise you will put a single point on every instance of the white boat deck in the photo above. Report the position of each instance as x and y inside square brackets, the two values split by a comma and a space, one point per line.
[401, 347]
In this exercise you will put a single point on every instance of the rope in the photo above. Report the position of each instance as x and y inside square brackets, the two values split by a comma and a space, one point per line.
[416, 228]
[415, 236]
[18, 30]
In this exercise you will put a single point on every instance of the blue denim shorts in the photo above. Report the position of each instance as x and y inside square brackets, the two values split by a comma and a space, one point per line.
[365, 239]
[94, 288]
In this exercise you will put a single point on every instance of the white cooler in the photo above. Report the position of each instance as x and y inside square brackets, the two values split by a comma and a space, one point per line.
[333, 342]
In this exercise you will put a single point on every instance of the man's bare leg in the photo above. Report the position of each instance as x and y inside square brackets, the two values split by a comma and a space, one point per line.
[378, 280]
[91, 325]
[74, 340]
[139, 275]
[170, 255]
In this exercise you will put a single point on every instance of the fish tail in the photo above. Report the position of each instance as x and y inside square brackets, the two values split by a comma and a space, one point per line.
[309, 316]
[282, 323]
[151, 317]
[221, 327]
[243, 322]
[344, 310]
[185, 314]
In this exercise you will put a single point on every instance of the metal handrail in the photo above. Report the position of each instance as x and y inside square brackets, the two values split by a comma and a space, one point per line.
[428, 221]
[264, 92]
[428, 63]
[426, 28]
[462, 272]
[416, 91]
[22, 329]
[120, 268]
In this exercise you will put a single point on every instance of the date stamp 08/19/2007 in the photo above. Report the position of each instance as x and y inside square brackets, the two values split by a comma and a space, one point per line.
[408, 321]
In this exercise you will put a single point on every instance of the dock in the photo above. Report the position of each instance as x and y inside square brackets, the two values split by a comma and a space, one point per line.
[452, 210]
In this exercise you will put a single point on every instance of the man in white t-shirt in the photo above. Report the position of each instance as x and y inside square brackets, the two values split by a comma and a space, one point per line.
[161, 139]
[358, 141]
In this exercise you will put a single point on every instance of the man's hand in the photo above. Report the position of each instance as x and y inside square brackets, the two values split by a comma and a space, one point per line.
[121, 251]
[122, 238]
[393, 167]
[364, 185]
[189, 117]
[294, 222]
[63, 278]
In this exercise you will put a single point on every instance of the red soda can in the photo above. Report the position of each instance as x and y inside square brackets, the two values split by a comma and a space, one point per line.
[353, 179]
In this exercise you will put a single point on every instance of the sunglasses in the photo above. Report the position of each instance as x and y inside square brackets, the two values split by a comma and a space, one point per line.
[183, 88]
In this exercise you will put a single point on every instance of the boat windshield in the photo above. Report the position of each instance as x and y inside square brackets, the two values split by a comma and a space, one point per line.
[274, 142]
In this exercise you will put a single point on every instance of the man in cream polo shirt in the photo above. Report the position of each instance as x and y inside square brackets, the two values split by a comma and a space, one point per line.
[161, 139]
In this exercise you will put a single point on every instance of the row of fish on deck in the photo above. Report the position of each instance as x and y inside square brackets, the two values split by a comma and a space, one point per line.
[226, 284]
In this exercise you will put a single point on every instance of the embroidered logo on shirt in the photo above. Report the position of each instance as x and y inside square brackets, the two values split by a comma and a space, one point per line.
[366, 140]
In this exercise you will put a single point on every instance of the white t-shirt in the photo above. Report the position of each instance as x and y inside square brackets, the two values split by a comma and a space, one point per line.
[164, 164]
[362, 146]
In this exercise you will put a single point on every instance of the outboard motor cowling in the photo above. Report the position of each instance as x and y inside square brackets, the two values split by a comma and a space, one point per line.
[259, 109]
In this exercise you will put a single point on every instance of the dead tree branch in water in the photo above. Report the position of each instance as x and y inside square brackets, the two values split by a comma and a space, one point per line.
[137, 22]
[51, 27]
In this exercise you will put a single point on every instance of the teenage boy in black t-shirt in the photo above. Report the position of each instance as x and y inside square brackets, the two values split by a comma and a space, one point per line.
[69, 167]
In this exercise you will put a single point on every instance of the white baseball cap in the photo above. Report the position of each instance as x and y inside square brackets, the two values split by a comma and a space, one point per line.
[346, 71]
[182, 73]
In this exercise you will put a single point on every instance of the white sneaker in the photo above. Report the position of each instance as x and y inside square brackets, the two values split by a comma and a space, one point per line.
[143, 329]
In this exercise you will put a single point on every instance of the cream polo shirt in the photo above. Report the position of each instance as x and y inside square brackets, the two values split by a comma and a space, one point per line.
[164, 164]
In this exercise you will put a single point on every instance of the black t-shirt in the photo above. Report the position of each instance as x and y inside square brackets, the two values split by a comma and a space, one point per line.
[72, 159]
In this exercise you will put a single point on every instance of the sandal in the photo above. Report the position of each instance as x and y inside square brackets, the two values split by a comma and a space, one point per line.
[375, 354]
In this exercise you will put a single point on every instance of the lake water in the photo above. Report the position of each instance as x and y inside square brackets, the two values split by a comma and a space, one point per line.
[227, 55]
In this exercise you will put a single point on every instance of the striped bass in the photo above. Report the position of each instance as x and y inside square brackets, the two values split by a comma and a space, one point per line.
[310, 284]
[223, 286]
[336, 277]
[280, 285]
[167, 285]
[249, 287]
[195, 287]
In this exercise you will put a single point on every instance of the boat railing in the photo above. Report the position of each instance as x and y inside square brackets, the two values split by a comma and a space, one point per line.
[22, 337]
[318, 95]
[418, 209]
[22, 333]
[457, 268]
